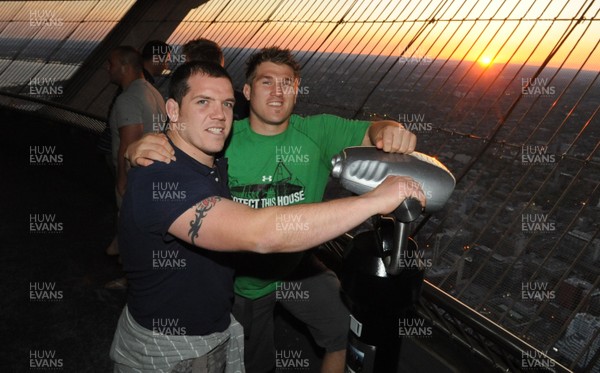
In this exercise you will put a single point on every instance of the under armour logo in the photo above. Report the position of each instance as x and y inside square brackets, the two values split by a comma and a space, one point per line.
[267, 178]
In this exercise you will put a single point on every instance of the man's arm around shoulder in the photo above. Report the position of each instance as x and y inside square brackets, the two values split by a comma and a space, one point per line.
[127, 134]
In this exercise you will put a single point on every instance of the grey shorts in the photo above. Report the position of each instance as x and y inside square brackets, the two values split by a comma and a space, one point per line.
[313, 299]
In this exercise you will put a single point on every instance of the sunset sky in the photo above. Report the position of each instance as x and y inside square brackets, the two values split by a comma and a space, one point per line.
[492, 32]
[495, 31]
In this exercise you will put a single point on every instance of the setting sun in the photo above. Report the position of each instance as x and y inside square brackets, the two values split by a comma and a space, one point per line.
[485, 61]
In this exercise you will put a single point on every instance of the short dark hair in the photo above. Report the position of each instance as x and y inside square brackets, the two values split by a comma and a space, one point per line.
[128, 55]
[203, 50]
[155, 48]
[179, 86]
[271, 54]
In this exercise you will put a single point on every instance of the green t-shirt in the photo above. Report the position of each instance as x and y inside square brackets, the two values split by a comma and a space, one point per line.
[290, 168]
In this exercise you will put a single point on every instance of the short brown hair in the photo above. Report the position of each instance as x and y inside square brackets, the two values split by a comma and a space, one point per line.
[179, 86]
[203, 50]
[271, 54]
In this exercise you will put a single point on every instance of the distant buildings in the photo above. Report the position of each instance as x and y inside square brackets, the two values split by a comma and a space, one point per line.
[581, 341]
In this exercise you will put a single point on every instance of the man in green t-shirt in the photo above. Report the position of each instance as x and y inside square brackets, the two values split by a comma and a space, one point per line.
[277, 158]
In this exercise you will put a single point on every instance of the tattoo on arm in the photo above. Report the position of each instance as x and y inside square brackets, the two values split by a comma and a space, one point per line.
[202, 208]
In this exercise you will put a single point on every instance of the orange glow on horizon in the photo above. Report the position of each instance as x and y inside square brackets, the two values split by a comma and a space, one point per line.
[485, 61]
[510, 35]
[518, 32]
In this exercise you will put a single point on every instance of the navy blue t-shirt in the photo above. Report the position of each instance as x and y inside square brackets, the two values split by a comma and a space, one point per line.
[173, 287]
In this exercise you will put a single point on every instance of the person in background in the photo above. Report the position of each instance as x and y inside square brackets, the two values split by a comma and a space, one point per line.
[138, 109]
[155, 57]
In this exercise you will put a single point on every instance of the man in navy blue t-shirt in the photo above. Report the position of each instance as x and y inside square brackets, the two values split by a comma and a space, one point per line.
[178, 229]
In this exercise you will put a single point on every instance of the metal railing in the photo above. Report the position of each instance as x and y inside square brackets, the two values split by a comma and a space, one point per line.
[52, 111]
